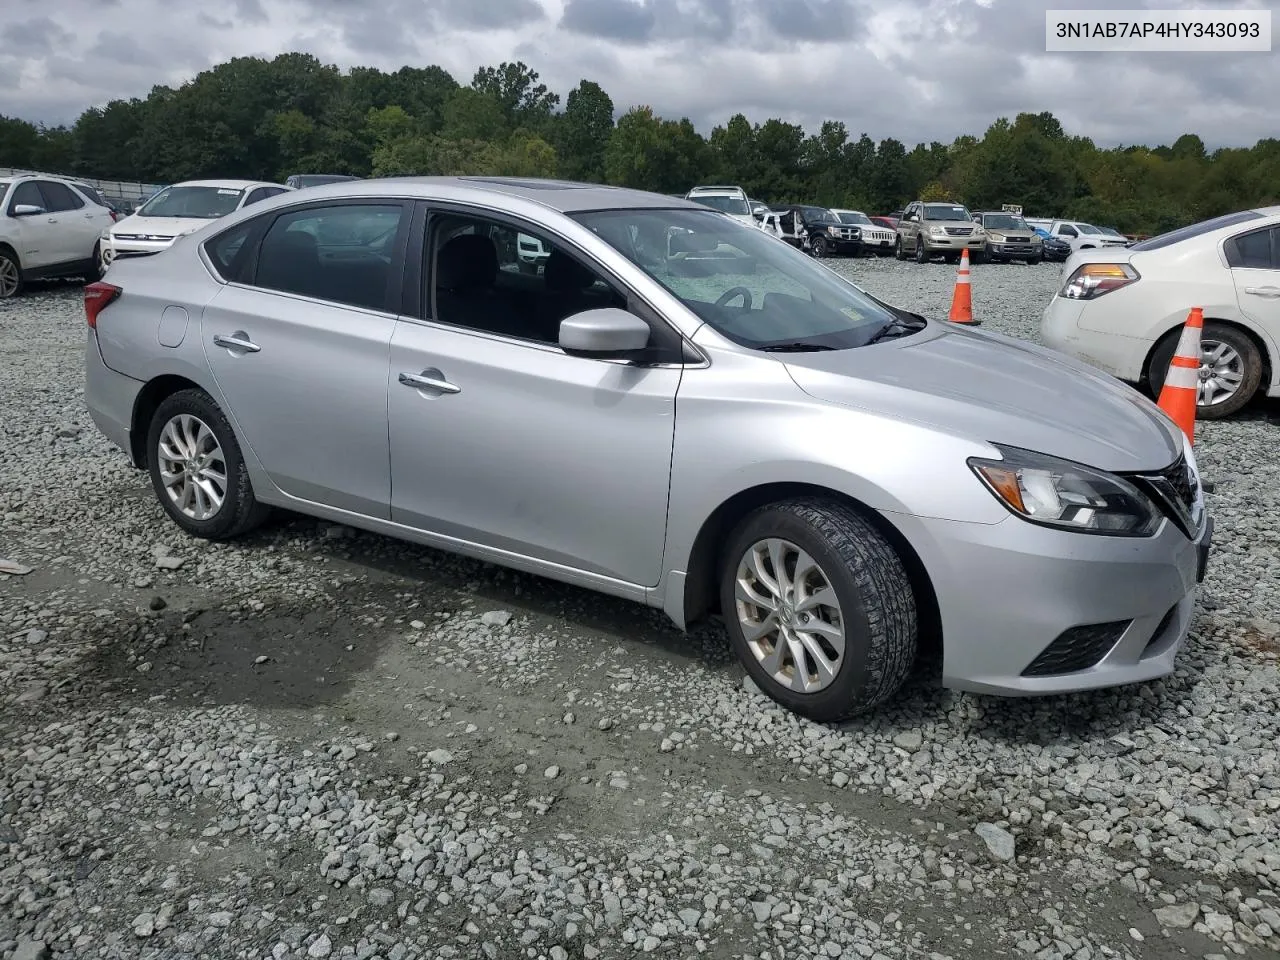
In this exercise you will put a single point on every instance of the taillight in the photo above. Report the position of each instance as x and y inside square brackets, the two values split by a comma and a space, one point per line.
[96, 297]
[1092, 280]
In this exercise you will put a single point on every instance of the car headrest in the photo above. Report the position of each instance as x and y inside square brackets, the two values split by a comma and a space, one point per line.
[467, 262]
[565, 274]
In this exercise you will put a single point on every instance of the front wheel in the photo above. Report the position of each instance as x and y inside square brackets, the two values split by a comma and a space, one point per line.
[819, 608]
[1033, 261]
[898, 252]
[922, 253]
[10, 275]
[197, 470]
[820, 248]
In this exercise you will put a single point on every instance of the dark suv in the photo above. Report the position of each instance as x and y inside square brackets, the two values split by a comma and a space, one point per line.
[818, 229]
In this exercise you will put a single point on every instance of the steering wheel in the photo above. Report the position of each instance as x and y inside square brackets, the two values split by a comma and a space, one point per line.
[735, 292]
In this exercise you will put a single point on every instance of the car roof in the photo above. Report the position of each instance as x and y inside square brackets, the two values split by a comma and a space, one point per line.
[227, 184]
[565, 196]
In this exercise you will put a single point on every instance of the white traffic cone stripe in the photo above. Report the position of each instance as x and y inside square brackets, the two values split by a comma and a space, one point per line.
[963, 278]
[1185, 378]
[1189, 343]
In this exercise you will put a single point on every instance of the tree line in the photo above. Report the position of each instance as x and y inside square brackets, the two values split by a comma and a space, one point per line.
[265, 119]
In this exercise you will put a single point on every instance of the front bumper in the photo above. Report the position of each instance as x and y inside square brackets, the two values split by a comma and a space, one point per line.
[879, 244]
[1014, 250]
[118, 248]
[949, 243]
[1028, 610]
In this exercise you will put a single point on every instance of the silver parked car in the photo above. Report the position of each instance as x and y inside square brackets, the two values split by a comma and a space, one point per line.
[678, 410]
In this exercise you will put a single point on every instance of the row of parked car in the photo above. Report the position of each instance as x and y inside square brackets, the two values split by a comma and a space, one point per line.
[52, 226]
[922, 230]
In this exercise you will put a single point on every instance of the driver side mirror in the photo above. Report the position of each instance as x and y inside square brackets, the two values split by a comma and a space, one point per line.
[603, 333]
[26, 210]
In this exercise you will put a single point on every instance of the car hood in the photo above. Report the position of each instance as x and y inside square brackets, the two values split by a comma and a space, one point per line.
[158, 226]
[998, 390]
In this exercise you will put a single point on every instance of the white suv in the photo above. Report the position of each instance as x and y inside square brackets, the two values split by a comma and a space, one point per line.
[49, 227]
[729, 200]
[1079, 235]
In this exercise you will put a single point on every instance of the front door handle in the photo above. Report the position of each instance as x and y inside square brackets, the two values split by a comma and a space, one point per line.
[429, 380]
[1263, 291]
[237, 341]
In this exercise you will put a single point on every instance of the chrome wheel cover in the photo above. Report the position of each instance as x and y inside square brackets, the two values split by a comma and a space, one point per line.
[1221, 372]
[192, 467]
[789, 615]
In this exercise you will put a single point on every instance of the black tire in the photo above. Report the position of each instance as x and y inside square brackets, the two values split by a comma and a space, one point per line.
[871, 584]
[953, 258]
[98, 270]
[9, 261]
[240, 511]
[1241, 342]
[820, 247]
[922, 252]
[898, 252]
[1033, 261]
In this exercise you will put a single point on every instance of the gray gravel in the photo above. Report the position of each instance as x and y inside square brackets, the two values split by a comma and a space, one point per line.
[321, 743]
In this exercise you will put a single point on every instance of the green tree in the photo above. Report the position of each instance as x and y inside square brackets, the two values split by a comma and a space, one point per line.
[583, 132]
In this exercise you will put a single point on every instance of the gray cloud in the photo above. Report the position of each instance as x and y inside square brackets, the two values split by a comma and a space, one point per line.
[916, 70]
[626, 21]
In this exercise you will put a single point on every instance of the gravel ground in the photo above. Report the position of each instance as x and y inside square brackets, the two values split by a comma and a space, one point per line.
[318, 742]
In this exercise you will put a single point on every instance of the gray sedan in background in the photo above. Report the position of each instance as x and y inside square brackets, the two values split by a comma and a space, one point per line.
[677, 409]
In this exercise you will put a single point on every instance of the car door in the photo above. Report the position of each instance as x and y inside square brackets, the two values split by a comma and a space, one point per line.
[297, 343]
[907, 227]
[499, 437]
[79, 222]
[1254, 261]
[36, 234]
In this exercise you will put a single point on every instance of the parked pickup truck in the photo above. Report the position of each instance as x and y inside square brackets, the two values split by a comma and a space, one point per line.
[1078, 234]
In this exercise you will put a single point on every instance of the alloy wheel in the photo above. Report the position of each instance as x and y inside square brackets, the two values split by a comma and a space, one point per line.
[192, 467]
[1221, 372]
[790, 615]
[10, 278]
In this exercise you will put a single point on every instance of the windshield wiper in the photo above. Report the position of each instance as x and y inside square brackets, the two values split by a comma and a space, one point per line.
[897, 328]
[796, 346]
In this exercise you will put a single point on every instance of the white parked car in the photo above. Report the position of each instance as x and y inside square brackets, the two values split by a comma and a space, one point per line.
[178, 210]
[728, 200]
[875, 238]
[49, 228]
[1122, 309]
[1078, 234]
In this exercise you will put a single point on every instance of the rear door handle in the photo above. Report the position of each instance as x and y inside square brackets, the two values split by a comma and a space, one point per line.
[429, 380]
[1263, 291]
[237, 341]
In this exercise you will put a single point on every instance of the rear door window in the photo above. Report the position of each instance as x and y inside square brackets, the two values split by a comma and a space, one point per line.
[1256, 249]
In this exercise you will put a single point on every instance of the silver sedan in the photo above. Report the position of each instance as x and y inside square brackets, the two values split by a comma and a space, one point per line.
[672, 407]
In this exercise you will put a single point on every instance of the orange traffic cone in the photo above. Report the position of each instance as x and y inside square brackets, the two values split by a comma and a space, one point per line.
[962, 298]
[1181, 385]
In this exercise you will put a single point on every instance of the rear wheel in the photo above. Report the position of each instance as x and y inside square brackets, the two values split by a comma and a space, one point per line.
[197, 469]
[10, 274]
[819, 608]
[1230, 370]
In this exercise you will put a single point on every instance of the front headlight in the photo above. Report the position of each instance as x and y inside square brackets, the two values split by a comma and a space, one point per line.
[937, 231]
[1066, 495]
[997, 237]
[834, 231]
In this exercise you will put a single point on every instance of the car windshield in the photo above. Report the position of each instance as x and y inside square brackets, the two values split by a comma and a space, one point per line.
[1004, 221]
[723, 203]
[853, 216]
[1088, 228]
[752, 289]
[946, 211]
[1195, 230]
[204, 203]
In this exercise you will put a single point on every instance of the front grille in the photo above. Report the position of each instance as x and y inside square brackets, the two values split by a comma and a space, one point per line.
[1078, 648]
[1176, 490]
[149, 237]
[959, 231]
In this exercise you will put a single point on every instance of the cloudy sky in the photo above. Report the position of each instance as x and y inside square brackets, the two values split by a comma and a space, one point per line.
[918, 70]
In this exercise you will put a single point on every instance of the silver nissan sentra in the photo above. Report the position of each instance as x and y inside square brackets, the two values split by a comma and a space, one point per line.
[675, 408]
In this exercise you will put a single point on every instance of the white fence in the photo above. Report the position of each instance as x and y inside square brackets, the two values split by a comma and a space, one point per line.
[111, 189]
